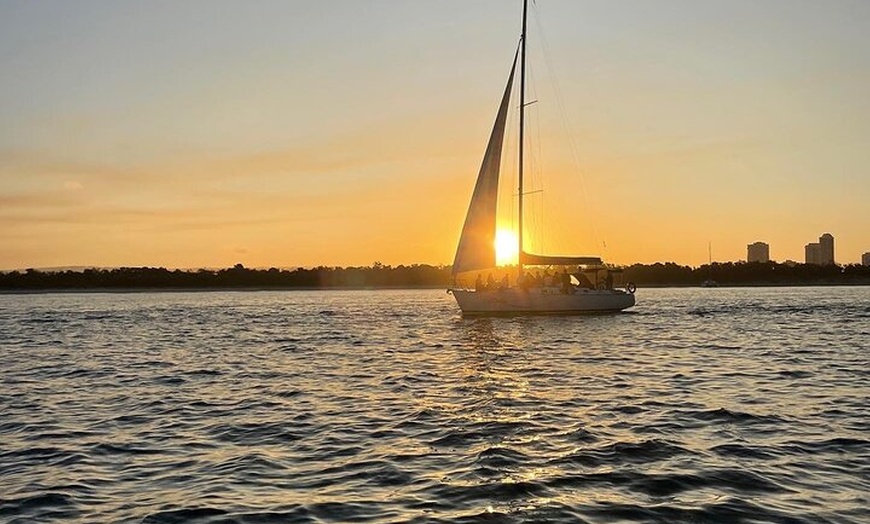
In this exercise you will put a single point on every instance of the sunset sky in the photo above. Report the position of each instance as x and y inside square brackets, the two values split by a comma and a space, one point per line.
[284, 133]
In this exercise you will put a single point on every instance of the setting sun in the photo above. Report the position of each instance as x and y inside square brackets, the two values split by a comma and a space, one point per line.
[506, 247]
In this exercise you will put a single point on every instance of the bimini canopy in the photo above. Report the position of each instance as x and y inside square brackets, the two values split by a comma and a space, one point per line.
[546, 260]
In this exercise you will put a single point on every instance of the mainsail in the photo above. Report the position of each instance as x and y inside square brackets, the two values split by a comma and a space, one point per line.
[477, 243]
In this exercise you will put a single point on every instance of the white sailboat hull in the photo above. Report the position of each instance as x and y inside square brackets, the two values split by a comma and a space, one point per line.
[537, 301]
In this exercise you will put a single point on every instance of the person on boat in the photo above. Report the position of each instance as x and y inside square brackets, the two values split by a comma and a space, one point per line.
[490, 282]
[505, 282]
[478, 283]
[583, 280]
[566, 281]
[608, 280]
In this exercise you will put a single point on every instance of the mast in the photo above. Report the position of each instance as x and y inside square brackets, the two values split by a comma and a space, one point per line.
[522, 126]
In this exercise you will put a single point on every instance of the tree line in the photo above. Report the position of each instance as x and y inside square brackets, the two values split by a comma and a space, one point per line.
[238, 276]
[747, 274]
[417, 275]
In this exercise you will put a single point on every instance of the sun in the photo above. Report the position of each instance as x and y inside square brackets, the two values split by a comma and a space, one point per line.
[506, 247]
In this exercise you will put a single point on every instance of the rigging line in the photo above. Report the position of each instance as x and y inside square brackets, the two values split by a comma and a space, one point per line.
[539, 158]
[566, 124]
[535, 158]
[534, 147]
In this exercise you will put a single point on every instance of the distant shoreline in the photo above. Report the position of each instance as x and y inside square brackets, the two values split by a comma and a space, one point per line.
[419, 276]
[258, 289]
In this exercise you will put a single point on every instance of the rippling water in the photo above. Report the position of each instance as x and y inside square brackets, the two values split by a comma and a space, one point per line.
[714, 405]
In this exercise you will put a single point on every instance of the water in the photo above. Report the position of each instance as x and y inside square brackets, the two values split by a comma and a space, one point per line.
[713, 405]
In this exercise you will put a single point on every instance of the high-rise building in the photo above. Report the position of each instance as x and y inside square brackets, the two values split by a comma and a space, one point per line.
[758, 252]
[821, 252]
[826, 249]
[865, 259]
[811, 252]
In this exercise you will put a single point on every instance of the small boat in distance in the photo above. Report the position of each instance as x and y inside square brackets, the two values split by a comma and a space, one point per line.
[565, 292]
[710, 282]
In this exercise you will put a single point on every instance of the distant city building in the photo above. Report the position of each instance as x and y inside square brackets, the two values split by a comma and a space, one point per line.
[826, 249]
[758, 252]
[865, 259]
[821, 252]
[812, 253]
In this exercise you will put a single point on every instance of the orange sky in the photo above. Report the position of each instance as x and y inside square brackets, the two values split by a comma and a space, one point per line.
[343, 132]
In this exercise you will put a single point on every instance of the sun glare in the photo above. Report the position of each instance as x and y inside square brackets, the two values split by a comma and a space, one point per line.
[506, 247]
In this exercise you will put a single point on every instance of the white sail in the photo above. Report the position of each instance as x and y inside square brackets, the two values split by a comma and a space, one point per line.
[476, 248]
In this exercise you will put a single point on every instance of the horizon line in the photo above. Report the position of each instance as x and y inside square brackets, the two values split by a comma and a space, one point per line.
[75, 268]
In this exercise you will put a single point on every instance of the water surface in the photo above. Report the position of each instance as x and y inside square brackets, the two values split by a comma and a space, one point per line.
[699, 405]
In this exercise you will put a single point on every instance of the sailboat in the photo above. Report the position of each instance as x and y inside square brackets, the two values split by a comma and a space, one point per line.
[476, 251]
[710, 282]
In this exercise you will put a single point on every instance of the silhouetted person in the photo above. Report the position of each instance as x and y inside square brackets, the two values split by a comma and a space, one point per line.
[478, 283]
